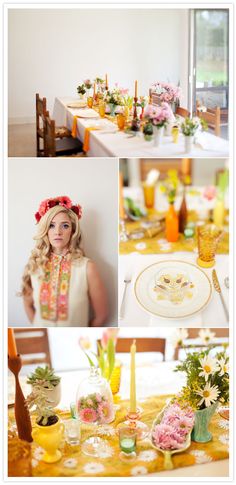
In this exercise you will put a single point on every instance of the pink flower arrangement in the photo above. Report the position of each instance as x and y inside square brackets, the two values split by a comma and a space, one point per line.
[95, 408]
[209, 192]
[158, 115]
[168, 92]
[172, 431]
[63, 201]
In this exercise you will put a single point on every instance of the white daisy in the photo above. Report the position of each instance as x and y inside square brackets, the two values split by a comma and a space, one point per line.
[209, 366]
[107, 431]
[147, 455]
[139, 470]
[70, 463]
[34, 462]
[107, 452]
[209, 395]
[38, 453]
[206, 335]
[92, 468]
[201, 456]
[140, 246]
[165, 247]
[178, 337]
[224, 438]
[224, 367]
[223, 424]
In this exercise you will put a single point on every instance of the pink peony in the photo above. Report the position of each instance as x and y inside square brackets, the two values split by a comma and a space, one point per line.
[88, 415]
[98, 397]
[167, 438]
[105, 412]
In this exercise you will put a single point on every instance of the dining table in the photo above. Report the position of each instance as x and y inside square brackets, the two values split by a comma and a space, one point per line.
[156, 384]
[136, 255]
[106, 140]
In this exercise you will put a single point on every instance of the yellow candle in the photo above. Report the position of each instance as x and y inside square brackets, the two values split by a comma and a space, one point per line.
[106, 82]
[132, 378]
[136, 89]
[12, 350]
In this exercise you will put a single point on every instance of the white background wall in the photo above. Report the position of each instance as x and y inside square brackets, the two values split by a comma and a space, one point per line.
[90, 182]
[52, 51]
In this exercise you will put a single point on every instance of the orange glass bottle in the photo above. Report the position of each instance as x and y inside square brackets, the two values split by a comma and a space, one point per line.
[172, 224]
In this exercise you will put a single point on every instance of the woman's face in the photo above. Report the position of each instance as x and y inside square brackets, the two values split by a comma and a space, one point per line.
[59, 232]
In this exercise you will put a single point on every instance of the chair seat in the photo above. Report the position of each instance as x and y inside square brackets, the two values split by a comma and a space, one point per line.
[68, 146]
[62, 131]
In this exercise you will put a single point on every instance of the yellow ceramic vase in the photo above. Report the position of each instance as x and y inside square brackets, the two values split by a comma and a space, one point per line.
[49, 438]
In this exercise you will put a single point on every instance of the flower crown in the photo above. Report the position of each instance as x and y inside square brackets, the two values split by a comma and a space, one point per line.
[63, 200]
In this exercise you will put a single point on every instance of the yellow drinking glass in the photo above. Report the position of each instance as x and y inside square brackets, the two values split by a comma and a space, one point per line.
[208, 239]
[149, 195]
[175, 134]
[121, 119]
[90, 101]
[102, 108]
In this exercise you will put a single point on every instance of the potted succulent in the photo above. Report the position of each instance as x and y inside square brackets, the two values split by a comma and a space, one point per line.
[45, 378]
[207, 385]
[48, 429]
[81, 90]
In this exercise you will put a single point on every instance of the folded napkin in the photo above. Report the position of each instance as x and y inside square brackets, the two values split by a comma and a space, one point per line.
[87, 137]
[74, 127]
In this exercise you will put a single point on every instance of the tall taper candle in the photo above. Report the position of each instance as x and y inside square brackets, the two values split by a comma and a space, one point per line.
[132, 378]
[106, 82]
[12, 349]
[136, 89]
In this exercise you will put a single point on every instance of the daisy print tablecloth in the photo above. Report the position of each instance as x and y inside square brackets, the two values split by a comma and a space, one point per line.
[75, 464]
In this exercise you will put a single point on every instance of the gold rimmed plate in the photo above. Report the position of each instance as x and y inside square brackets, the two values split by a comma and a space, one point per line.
[173, 289]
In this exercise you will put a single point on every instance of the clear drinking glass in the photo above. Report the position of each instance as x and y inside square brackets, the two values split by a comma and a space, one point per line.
[127, 442]
[72, 431]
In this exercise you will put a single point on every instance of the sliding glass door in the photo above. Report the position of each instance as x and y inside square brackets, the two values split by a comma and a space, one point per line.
[211, 55]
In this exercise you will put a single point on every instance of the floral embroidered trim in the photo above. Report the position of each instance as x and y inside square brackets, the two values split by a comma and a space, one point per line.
[54, 291]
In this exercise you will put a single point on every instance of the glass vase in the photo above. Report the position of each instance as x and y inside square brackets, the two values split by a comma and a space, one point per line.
[94, 405]
[158, 135]
[112, 109]
[200, 432]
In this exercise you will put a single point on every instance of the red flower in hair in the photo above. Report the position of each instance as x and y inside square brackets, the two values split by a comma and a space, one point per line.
[37, 216]
[77, 209]
[63, 201]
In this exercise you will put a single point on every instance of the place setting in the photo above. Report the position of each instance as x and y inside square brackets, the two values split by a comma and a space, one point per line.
[174, 245]
[119, 422]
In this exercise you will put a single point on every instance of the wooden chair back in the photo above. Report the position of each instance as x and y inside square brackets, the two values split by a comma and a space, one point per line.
[33, 345]
[49, 137]
[41, 109]
[212, 118]
[142, 345]
[182, 165]
[220, 334]
[182, 112]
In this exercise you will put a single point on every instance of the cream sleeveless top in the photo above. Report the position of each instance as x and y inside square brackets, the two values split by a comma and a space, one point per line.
[78, 301]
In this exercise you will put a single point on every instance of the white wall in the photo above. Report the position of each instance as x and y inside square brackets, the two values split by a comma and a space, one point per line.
[52, 51]
[90, 182]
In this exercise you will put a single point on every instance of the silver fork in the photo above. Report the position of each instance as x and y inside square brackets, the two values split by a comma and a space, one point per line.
[127, 280]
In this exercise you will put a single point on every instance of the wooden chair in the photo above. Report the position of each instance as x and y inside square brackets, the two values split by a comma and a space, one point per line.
[212, 118]
[142, 345]
[40, 115]
[41, 112]
[33, 345]
[182, 165]
[59, 147]
[182, 112]
[221, 334]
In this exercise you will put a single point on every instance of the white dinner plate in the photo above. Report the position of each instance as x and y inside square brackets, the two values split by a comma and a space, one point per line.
[77, 104]
[188, 285]
[87, 113]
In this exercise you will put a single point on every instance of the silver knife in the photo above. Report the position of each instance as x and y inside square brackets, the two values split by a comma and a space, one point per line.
[127, 280]
[218, 289]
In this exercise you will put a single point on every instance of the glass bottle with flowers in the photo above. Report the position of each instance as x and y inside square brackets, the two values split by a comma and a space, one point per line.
[88, 85]
[207, 385]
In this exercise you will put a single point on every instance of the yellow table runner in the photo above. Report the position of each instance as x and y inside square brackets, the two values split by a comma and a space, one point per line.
[159, 245]
[75, 464]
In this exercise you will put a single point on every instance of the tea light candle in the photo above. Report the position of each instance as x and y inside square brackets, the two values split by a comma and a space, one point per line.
[12, 349]
[127, 445]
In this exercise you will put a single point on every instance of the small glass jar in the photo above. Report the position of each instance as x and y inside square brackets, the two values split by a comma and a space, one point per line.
[72, 431]
[127, 443]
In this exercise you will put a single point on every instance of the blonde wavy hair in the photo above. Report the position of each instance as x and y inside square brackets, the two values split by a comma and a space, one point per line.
[42, 250]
